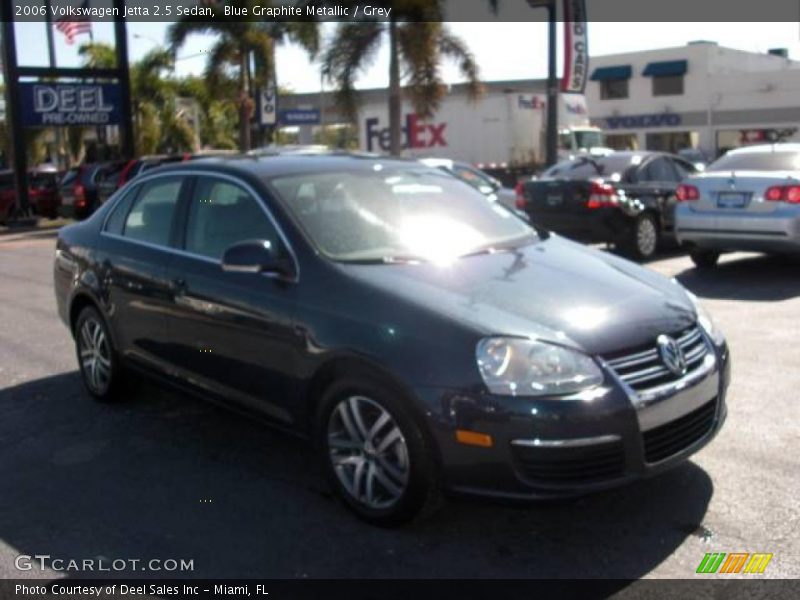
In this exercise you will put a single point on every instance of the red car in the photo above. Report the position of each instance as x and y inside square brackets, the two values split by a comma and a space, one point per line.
[43, 194]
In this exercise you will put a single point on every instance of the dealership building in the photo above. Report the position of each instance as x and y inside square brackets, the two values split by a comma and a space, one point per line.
[700, 95]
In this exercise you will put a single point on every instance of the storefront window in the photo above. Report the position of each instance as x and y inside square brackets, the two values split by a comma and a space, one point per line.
[735, 138]
[622, 141]
[671, 141]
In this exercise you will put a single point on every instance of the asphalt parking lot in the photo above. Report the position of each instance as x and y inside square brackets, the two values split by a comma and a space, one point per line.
[167, 476]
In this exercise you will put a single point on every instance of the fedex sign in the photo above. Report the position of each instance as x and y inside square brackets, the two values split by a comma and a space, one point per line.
[415, 133]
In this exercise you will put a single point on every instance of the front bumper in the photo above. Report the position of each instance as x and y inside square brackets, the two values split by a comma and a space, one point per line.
[556, 448]
[776, 231]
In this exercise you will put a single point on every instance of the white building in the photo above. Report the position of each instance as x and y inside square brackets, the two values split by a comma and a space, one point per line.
[700, 96]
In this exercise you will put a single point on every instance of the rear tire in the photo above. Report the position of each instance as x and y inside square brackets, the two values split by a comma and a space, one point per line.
[375, 453]
[100, 368]
[704, 259]
[643, 240]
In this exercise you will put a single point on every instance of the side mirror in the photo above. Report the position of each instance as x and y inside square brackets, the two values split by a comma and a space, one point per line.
[257, 256]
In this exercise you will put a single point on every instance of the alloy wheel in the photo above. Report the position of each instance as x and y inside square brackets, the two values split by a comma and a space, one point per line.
[95, 356]
[368, 452]
[646, 237]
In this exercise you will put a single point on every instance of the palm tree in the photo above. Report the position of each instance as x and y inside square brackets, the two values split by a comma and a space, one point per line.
[418, 41]
[153, 96]
[239, 38]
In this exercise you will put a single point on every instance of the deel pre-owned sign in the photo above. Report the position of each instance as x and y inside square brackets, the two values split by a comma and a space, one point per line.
[65, 104]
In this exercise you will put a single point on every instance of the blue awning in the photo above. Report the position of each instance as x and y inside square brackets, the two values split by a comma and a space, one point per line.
[663, 69]
[608, 73]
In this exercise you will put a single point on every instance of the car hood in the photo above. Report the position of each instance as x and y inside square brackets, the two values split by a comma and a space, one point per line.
[553, 289]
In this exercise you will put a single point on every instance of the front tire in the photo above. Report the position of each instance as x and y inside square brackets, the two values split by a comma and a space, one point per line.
[99, 365]
[704, 259]
[643, 241]
[375, 454]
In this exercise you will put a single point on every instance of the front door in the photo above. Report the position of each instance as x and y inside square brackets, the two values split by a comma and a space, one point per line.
[232, 332]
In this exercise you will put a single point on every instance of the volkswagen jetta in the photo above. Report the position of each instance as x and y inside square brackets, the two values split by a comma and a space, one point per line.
[425, 339]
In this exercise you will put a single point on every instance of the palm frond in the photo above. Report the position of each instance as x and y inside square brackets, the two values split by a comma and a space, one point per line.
[352, 49]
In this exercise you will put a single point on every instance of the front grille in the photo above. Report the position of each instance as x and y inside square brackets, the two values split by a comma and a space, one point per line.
[670, 438]
[643, 369]
[568, 466]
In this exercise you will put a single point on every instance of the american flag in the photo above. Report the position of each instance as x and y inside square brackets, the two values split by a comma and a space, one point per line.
[71, 28]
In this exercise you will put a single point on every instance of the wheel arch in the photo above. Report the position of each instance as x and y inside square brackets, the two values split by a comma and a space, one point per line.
[80, 301]
[352, 366]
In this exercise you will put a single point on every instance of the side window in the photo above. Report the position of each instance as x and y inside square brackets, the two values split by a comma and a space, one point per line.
[659, 169]
[221, 214]
[116, 221]
[150, 218]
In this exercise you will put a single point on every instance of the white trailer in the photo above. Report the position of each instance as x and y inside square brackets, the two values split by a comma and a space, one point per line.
[503, 129]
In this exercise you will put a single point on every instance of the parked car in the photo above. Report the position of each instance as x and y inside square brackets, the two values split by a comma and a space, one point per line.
[749, 199]
[78, 190]
[119, 173]
[483, 182]
[43, 193]
[422, 338]
[623, 198]
[8, 195]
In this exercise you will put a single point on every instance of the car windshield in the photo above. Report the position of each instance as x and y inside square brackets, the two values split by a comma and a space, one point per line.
[757, 161]
[397, 215]
[588, 139]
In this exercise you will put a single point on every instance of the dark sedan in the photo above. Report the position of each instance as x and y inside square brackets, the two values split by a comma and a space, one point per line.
[423, 338]
[624, 198]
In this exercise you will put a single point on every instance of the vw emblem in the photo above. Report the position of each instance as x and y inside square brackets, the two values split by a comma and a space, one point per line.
[671, 354]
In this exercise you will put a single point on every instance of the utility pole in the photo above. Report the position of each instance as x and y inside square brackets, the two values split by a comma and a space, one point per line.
[551, 136]
[552, 87]
[123, 76]
[18, 156]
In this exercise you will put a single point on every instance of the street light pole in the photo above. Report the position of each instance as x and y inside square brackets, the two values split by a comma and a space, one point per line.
[552, 87]
[551, 136]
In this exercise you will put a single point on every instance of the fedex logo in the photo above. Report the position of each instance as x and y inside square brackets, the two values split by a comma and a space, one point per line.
[535, 102]
[576, 109]
[416, 134]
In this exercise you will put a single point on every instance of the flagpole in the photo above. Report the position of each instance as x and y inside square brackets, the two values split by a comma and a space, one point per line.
[51, 52]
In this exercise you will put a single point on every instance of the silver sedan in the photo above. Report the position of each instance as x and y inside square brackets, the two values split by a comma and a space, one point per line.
[747, 200]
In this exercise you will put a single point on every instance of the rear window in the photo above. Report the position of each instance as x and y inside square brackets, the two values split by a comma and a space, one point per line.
[757, 161]
[42, 180]
[586, 167]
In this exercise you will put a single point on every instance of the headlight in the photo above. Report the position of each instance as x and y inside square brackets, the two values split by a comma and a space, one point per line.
[706, 322]
[521, 367]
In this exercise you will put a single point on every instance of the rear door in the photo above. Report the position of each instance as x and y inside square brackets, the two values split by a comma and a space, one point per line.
[136, 246]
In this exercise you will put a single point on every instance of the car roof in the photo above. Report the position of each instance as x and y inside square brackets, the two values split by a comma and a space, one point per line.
[761, 148]
[261, 166]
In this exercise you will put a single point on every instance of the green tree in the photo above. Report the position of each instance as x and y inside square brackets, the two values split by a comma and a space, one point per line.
[239, 40]
[157, 126]
[418, 43]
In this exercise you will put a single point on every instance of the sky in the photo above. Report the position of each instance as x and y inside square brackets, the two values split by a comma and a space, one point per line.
[503, 50]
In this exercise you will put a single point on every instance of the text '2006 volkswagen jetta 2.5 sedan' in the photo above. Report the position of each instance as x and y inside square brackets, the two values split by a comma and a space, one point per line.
[427, 340]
